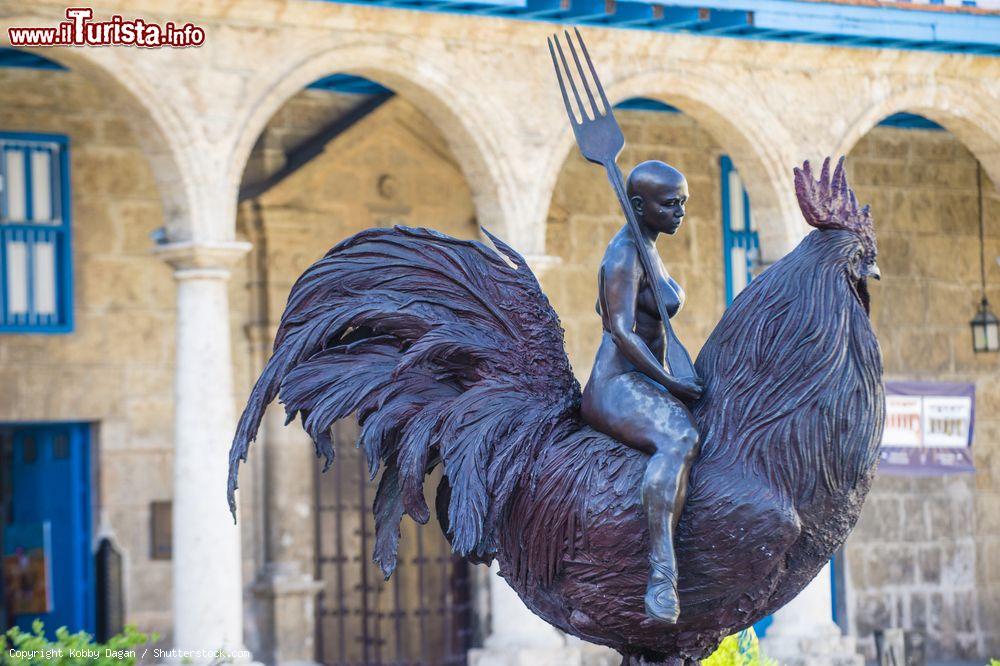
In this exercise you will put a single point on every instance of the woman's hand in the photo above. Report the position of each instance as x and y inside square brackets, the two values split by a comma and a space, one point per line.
[688, 389]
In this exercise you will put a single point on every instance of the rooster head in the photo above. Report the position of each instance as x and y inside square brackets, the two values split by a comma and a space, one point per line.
[829, 204]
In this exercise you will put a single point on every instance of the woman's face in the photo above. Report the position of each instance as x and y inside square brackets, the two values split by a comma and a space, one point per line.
[662, 208]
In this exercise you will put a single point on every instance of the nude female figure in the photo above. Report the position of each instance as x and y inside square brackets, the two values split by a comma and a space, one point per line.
[631, 395]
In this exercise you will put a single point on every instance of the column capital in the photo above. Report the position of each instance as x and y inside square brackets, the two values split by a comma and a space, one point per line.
[205, 259]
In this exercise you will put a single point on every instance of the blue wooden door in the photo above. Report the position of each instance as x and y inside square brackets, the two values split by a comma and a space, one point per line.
[50, 484]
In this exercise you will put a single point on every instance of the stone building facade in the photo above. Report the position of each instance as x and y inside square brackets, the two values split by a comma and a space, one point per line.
[116, 368]
[923, 553]
[170, 335]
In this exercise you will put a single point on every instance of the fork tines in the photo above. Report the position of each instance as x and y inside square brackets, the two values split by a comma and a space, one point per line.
[581, 108]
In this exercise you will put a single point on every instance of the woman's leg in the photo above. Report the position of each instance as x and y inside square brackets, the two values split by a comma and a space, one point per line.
[644, 416]
[664, 489]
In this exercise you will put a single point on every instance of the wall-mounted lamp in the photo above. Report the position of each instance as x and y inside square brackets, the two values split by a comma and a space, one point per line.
[985, 330]
[985, 325]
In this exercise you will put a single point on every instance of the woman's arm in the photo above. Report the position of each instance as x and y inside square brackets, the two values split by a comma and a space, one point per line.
[619, 285]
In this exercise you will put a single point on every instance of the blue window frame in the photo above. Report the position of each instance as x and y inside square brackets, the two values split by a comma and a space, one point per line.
[740, 243]
[36, 274]
[740, 247]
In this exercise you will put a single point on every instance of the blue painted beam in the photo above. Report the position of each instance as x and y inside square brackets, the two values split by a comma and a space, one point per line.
[349, 84]
[861, 20]
[646, 104]
[542, 9]
[569, 10]
[722, 20]
[633, 15]
[803, 21]
[26, 59]
[909, 121]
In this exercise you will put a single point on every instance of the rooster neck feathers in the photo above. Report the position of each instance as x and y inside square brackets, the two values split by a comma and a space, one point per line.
[794, 391]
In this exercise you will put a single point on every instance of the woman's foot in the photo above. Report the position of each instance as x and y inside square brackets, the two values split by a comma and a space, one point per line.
[661, 593]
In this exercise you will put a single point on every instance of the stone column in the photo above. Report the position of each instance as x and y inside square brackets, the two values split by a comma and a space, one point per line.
[285, 587]
[803, 632]
[207, 581]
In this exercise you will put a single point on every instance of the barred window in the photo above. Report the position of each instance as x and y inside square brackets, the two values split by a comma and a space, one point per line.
[35, 254]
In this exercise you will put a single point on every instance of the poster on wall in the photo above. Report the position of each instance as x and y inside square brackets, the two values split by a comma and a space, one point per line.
[928, 428]
[27, 568]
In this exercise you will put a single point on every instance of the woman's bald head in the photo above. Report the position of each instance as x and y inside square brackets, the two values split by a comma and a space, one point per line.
[653, 176]
[657, 193]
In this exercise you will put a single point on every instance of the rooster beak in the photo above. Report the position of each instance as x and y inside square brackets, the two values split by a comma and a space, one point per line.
[874, 272]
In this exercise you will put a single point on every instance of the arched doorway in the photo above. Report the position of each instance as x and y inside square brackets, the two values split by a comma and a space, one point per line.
[584, 214]
[915, 560]
[345, 154]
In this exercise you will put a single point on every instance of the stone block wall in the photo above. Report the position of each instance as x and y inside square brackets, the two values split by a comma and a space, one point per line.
[392, 167]
[925, 552]
[115, 370]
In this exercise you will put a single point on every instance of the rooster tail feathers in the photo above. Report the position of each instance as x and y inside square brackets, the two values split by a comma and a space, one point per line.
[510, 253]
[415, 449]
[446, 351]
[263, 393]
[388, 510]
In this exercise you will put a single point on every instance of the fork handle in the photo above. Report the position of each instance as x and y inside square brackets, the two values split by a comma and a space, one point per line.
[678, 361]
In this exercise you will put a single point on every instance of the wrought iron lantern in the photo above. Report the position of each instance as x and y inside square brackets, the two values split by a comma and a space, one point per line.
[985, 325]
[985, 329]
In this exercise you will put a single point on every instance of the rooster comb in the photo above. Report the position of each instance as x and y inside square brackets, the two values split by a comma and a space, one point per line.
[829, 203]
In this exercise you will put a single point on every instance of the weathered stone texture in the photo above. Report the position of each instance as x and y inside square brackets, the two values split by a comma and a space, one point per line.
[916, 559]
[115, 369]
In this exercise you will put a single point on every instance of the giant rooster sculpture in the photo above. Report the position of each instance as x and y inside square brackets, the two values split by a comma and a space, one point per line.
[448, 353]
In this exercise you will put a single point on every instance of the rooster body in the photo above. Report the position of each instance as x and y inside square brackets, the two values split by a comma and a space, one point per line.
[449, 353]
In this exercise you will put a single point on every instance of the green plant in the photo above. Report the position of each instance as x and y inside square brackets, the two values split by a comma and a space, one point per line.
[740, 649]
[21, 648]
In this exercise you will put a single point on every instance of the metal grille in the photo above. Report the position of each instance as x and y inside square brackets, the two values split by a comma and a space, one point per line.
[422, 615]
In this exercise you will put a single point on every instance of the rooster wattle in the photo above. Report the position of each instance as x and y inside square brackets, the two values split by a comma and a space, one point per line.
[449, 353]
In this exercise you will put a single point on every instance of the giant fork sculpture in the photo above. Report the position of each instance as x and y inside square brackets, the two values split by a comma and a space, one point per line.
[600, 140]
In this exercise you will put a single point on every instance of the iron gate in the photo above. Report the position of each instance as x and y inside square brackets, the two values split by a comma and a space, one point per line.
[422, 615]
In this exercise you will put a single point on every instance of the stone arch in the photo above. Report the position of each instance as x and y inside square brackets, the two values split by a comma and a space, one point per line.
[431, 89]
[158, 129]
[751, 135]
[955, 107]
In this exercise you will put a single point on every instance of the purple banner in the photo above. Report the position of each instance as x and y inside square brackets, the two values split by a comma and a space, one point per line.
[928, 428]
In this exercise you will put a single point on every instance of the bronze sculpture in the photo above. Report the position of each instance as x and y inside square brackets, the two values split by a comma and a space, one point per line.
[449, 354]
[639, 356]
[631, 396]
